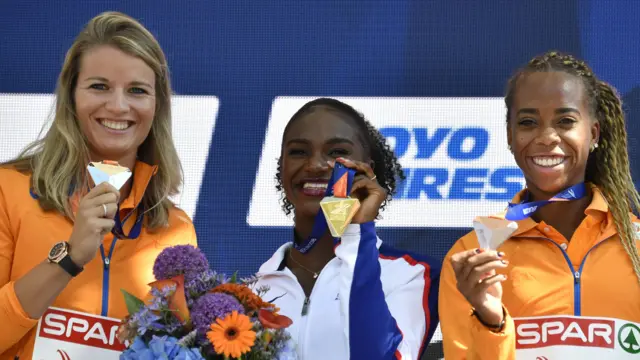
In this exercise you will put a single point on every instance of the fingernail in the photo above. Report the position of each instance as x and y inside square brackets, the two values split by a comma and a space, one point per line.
[500, 254]
[478, 251]
[505, 261]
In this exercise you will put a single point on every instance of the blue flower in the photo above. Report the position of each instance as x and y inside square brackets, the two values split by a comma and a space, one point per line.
[160, 348]
[145, 320]
[137, 351]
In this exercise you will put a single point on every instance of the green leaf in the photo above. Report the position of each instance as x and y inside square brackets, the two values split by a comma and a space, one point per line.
[133, 303]
[234, 278]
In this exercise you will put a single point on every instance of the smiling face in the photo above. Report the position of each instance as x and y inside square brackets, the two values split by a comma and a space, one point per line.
[115, 102]
[551, 131]
[310, 141]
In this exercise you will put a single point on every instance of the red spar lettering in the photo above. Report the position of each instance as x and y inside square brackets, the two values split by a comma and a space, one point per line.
[572, 331]
[81, 329]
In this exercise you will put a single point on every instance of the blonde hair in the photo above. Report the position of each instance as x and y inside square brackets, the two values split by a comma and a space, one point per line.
[57, 161]
[608, 165]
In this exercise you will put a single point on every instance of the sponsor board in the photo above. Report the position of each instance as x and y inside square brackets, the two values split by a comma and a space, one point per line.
[453, 150]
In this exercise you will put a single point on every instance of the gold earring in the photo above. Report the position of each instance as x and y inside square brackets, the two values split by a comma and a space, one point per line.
[593, 147]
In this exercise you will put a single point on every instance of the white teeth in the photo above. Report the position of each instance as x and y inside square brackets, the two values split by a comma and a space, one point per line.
[548, 161]
[115, 125]
[310, 185]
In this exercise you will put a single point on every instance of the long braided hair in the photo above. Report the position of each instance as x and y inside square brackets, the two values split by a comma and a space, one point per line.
[386, 166]
[608, 164]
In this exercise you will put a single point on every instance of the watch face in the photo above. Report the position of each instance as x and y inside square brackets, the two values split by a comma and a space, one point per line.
[57, 250]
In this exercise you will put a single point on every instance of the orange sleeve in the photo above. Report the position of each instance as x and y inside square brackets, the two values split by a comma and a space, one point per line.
[15, 321]
[463, 336]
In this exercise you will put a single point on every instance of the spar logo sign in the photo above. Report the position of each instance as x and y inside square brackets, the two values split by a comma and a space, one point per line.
[453, 150]
[65, 335]
[576, 337]
[629, 338]
[568, 331]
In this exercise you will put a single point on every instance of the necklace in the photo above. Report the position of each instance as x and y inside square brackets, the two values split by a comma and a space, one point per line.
[315, 274]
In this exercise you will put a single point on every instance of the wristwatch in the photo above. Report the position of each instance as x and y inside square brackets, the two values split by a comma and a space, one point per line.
[59, 254]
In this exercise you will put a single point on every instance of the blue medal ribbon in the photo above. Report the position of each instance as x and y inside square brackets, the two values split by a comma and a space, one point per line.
[526, 208]
[118, 230]
[320, 224]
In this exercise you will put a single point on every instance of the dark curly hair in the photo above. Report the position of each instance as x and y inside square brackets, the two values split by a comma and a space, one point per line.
[386, 167]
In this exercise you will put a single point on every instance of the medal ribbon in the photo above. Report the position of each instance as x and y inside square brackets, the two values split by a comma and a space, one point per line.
[525, 209]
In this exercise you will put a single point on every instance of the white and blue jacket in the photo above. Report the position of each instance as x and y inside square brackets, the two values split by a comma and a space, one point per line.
[370, 302]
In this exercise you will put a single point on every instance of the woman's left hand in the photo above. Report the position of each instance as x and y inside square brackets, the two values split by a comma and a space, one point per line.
[367, 189]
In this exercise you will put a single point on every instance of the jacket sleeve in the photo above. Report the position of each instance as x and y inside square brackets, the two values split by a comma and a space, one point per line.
[15, 321]
[464, 337]
[396, 326]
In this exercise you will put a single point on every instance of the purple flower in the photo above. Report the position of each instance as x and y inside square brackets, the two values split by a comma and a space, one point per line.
[202, 283]
[211, 306]
[146, 320]
[160, 298]
[180, 260]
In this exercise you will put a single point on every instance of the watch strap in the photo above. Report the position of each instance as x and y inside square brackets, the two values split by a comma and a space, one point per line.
[69, 266]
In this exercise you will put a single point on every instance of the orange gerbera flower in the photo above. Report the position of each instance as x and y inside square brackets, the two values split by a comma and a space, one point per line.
[232, 336]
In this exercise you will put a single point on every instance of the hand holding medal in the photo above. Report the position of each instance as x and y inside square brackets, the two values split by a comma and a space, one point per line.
[111, 172]
[353, 196]
[365, 190]
[94, 217]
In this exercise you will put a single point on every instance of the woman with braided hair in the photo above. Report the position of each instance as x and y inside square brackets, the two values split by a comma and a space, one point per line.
[566, 284]
[352, 297]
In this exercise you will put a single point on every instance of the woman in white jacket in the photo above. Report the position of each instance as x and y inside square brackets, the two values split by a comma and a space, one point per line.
[351, 297]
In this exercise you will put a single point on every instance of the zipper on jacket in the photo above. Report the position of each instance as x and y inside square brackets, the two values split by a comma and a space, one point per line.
[578, 309]
[106, 265]
[305, 306]
[577, 305]
[304, 322]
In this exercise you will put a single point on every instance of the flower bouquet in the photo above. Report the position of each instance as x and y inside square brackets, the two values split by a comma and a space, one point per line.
[191, 312]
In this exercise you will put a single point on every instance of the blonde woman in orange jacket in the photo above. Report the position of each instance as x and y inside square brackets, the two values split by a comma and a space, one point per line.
[57, 249]
[566, 284]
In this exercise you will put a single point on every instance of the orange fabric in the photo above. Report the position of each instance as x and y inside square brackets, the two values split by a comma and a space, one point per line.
[540, 282]
[27, 234]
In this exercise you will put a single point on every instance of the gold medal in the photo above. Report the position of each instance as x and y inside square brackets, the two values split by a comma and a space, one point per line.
[339, 209]
[338, 212]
